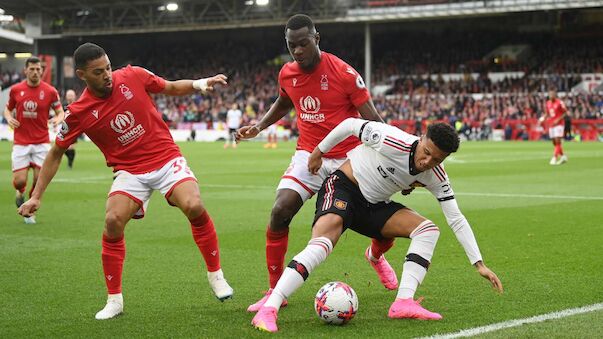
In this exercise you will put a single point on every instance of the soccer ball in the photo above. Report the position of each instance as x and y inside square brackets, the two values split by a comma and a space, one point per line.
[336, 303]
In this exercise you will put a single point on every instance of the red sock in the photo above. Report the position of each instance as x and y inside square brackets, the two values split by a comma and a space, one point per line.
[378, 247]
[276, 248]
[556, 153]
[206, 239]
[560, 149]
[113, 255]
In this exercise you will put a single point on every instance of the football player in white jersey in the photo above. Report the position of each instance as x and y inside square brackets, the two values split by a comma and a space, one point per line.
[358, 196]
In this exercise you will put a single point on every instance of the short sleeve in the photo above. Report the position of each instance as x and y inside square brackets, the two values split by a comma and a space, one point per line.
[354, 86]
[56, 101]
[70, 131]
[152, 83]
[11, 100]
[281, 90]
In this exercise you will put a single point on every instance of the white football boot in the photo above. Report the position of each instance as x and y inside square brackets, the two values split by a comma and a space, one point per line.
[30, 220]
[114, 307]
[553, 161]
[219, 285]
[562, 160]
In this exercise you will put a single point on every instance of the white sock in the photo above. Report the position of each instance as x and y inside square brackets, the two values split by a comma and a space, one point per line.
[418, 258]
[298, 270]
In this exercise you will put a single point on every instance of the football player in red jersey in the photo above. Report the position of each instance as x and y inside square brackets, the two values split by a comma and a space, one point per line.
[324, 90]
[118, 115]
[32, 100]
[554, 117]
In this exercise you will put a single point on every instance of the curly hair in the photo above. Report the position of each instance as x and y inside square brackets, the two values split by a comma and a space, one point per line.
[300, 21]
[443, 136]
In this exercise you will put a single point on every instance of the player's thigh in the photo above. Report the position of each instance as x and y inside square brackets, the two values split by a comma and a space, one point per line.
[299, 179]
[401, 223]
[36, 173]
[185, 195]
[119, 209]
[328, 225]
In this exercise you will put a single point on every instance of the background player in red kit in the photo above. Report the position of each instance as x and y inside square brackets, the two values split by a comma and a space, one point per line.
[32, 99]
[554, 115]
[117, 114]
[324, 91]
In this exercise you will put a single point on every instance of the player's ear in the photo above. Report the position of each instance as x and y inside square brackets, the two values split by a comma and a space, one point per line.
[317, 37]
[80, 74]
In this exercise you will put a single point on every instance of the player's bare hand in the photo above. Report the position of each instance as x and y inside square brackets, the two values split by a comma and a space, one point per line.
[55, 121]
[247, 132]
[407, 191]
[315, 161]
[13, 123]
[29, 207]
[219, 79]
[485, 272]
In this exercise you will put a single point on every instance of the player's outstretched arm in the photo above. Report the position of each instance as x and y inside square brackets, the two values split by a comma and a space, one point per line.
[279, 109]
[49, 169]
[485, 272]
[12, 122]
[368, 111]
[185, 87]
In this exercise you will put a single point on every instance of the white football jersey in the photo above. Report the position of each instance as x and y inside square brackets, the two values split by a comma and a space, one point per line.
[383, 165]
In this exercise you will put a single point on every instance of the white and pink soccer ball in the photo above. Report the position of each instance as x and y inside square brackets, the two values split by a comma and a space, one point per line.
[336, 303]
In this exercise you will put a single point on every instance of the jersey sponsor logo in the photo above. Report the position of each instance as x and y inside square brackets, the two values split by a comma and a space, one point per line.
[126, 91]
[123, 123]
[340, 204]
[29, 109]
[324, 82]
[310, 107]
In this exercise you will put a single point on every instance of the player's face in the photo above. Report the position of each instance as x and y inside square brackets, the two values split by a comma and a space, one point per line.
[33, 73]
[303, 47]
[428, 155]
[97, 75]
[552, 95]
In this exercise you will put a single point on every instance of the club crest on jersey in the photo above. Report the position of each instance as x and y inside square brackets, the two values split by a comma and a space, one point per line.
[310, 107]
[324, 82]
[340, 204]
[41, 95]
[126, 91]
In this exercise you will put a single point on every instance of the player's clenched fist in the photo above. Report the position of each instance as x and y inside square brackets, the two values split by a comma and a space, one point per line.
[29, 207]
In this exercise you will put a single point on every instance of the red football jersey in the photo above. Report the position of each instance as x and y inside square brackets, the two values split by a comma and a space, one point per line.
[33, 110]
[555, 109]
[125, 126]
[323, 99]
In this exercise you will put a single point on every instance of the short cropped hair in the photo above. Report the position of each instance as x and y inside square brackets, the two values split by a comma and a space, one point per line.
[32, 60]
[87, 52]
[443, 136]
[300, 21]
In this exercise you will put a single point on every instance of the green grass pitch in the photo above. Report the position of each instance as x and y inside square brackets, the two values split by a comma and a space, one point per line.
[539, 228]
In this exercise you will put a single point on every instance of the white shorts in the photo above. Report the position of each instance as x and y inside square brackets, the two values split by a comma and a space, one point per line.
[298, 178]
[25, 156]
[556, 131]
[139, 187]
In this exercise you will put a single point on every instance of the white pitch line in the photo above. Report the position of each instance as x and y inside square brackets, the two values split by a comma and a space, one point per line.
[477, 194]
[96, 180]
[518, 322]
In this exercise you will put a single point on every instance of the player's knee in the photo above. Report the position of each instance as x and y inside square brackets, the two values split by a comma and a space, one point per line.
[281, 216]
[19, 183]
[114, 223]
[192, 207]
